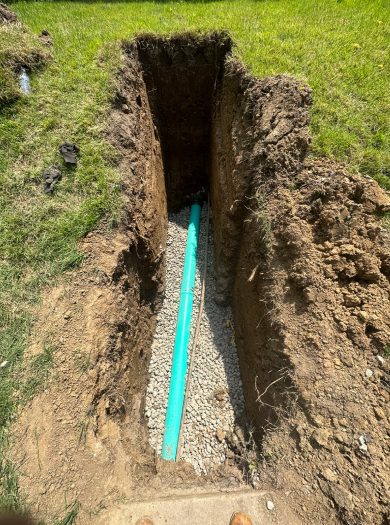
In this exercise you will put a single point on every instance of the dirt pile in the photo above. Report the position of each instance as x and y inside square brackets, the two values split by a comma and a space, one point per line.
[6, 15]
[326, 293]
[301, 257]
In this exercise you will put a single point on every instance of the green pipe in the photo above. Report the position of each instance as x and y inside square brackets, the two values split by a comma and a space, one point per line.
[180, 349]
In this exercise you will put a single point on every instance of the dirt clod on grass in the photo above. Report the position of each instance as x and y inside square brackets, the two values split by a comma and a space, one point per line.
[300, 255]
[6, 15]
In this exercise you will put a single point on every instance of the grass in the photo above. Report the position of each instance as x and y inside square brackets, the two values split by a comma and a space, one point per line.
[18, 48]
[339, 47]
[71, 513]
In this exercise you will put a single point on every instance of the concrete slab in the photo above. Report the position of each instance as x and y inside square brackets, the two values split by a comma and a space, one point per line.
[203, 509]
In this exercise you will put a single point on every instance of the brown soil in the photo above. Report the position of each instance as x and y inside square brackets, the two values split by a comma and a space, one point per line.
[6, 15]
[300, 255]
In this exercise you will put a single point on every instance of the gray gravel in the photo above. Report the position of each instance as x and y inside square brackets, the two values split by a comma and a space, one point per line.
[215, 399]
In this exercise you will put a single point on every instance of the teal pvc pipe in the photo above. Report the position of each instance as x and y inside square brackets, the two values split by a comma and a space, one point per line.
[180, 349]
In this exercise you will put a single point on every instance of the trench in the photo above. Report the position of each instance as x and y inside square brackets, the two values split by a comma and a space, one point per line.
[185, 120]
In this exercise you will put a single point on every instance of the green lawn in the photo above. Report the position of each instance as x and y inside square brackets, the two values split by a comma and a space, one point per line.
[339, 47]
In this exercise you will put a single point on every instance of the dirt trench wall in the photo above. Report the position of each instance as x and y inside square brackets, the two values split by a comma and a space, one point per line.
[249, 131]
[303, 257]
[139, 273]
[180, 75]
[328, 284]
[259, 134]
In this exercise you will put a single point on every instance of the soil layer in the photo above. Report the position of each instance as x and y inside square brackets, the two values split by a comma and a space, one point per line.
[300, 255]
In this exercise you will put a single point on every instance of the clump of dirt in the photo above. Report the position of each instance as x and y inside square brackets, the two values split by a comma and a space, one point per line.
[300, 255]
[7, 16]
[19, 49]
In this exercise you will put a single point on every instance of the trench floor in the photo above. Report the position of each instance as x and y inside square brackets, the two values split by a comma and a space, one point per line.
[215, 402]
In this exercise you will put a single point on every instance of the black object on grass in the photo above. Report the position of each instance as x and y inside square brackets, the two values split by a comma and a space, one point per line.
[69, 152]
[51, 176]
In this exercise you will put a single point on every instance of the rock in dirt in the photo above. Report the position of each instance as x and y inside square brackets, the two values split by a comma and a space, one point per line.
[341, 496]
[320, 438]
[270, 505]
[220, 395]
[329, 475]
[51, 177]
[362, 444]
[69, 152]
[380, 359]
[379, 413]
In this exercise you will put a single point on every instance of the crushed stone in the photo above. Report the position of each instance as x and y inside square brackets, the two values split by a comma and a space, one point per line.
[215, 401]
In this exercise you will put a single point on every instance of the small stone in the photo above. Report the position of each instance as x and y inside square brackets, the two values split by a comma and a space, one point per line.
[318, 420]
[351, 300]
[340, 438]
[379, 413]
[310, 294]
[369, 373]
[270, 505]
[362, 444]
[320, 437]
[363, 447]
[329, 475]
[220, 434]
[342, 497]
[220, 395]
[380, 360]
[3, 364]
[362, 316]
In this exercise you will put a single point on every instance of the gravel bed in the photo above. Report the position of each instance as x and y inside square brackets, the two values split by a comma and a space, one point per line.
[215, 399]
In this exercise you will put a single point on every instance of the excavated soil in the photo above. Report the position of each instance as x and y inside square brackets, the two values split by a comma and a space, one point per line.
[6, 15]
[301, 257]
